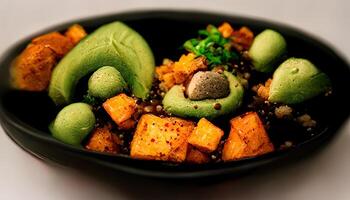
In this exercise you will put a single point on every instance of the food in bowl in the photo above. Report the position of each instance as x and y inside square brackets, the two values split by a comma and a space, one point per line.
[223, 100]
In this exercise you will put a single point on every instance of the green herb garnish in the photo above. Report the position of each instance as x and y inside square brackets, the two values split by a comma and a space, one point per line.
[213, 46]
[90, 100]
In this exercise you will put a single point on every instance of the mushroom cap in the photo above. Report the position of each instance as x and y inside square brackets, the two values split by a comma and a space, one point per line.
[207, 85]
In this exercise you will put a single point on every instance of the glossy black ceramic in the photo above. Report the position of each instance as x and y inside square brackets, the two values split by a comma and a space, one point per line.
[25, 116]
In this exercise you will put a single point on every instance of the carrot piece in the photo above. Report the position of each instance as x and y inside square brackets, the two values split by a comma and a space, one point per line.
[206, 136]
[247, 138]
[159, 138]
[120, 108]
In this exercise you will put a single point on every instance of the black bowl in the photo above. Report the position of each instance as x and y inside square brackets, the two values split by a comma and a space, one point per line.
[25, 116]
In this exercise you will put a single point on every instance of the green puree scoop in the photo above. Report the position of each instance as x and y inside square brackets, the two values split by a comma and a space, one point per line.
[267, 49]
[73, 123]
[106, 82]
[297, 80]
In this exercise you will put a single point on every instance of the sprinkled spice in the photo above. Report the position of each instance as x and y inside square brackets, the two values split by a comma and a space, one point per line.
[217, 106]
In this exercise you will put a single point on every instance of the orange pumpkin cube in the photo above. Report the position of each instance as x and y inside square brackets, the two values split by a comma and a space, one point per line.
[194, 156]
[127, 124]
[75, 33]
[247, 138]
[226, 30]
[159, 138]
[120, 108]
[103, 140]
[175, 73]
[206, 136]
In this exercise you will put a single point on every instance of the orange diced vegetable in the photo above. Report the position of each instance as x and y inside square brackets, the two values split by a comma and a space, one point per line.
[179, 154]
[247, 138]
[206, 136]
[159, 138]
[226, 30]
[120, 108]
[127, 124]
[242, 39]
[187, 66]
[103, 140]
[164, 69]
[32, 69]
[195, 156]
[174, 73]
[168, 81]
[264, 90]
[55, 41]
[75, 33]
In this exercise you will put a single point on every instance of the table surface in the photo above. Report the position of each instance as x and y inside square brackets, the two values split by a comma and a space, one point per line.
[325, 175]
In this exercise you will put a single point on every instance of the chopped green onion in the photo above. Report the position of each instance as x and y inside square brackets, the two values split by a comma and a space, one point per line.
[213, 46]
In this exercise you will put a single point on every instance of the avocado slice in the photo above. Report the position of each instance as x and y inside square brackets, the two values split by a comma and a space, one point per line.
[266, 50]
[176, 103]
[297, 80]
[113, 44]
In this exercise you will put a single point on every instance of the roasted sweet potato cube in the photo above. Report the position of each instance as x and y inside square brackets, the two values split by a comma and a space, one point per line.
[103, 140]
[174, 73]
[194, 156]
[206, 136]
[168, 81]
[163, 69]
[120, 108]
[226, 30]
[31, 70]
[55, 41]
[247, 138]
[159, 138]
[75, 33]
[179, 154]
[127, 124]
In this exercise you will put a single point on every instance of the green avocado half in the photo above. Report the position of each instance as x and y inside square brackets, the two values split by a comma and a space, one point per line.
[176, 103]
[113, 44]
[297, 80]
[267, 49]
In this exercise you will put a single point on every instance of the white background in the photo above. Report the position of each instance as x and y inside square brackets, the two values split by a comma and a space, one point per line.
[323, 176]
